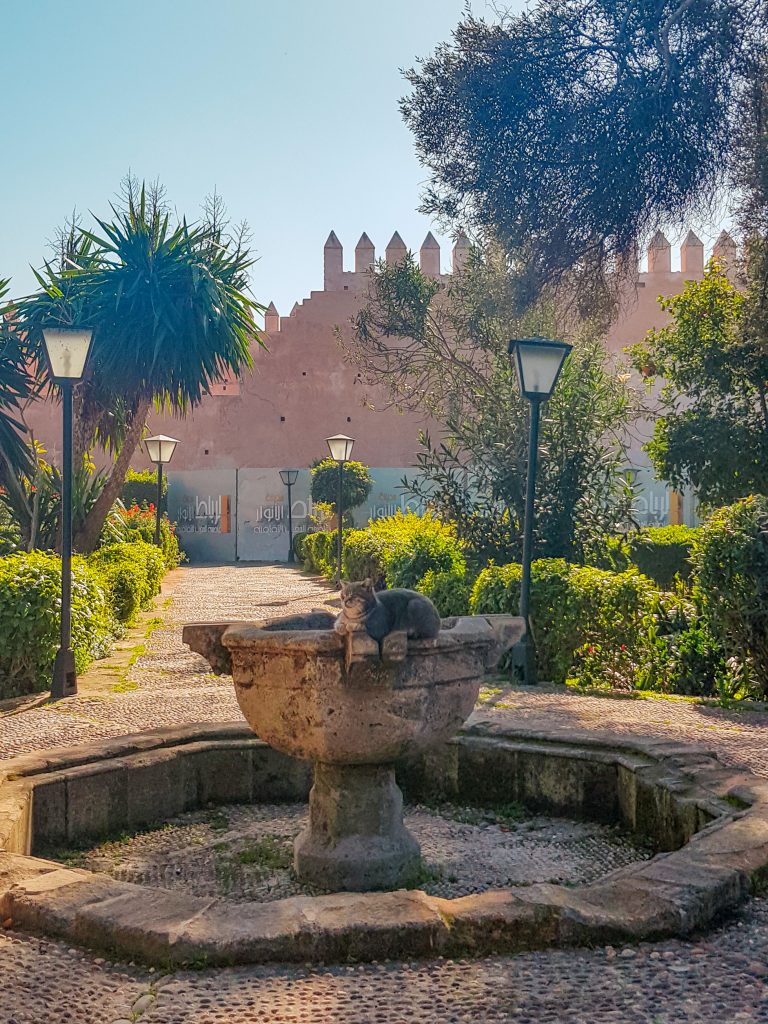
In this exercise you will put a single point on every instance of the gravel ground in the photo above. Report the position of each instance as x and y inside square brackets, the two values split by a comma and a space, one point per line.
[245, 853]
[719, 978]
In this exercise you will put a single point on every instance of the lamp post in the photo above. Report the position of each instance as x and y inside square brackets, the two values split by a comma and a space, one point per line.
[160, 449]
[537, 363]
[289, 477]
[340, 447]
[67, 351]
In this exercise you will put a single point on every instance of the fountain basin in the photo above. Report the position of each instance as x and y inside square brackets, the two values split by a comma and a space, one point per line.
[353, 709]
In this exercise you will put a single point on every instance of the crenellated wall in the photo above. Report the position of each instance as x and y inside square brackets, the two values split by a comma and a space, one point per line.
[301, 390]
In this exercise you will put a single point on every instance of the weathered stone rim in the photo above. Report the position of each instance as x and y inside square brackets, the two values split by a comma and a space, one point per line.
[673, 894]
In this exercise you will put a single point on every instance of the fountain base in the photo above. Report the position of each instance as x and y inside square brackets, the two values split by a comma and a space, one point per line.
[356, 839]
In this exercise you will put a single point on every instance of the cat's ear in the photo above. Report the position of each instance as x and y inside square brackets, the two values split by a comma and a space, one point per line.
[368, 583]
[344, 589]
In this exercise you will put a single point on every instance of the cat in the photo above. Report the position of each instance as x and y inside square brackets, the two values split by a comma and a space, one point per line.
[382, 613]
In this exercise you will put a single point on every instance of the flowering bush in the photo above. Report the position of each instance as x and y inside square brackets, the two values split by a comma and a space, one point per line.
[139, 523]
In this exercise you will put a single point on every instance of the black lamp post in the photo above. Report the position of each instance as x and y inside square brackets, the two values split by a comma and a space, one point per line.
[340, 447]
[160, 449]
[67, 351]
[289, 477]
[537, 362]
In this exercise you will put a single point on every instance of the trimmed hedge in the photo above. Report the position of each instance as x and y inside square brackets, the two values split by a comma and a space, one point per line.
[30, 605]
[319, 552]
[130, 574]
[108, 589]
[448, 591]
[140, 487]
[582, 617]
[663, 553]
[400, 549]
[730, 561]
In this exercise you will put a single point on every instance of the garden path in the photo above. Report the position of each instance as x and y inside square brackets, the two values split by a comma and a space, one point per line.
[718, 979]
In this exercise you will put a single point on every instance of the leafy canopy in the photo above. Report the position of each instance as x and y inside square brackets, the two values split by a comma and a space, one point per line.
[355, 487]
[570, 130]
[16, 389]
[444, 353]
[712, 433]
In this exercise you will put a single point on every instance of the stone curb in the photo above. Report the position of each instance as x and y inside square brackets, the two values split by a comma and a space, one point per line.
[684, 788]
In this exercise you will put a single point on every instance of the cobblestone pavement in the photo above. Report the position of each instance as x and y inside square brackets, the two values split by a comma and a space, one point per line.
[716, 979]
[241, 852]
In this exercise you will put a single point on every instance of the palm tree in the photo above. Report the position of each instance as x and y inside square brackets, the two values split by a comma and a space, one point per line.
[170, 314]
[16, 388]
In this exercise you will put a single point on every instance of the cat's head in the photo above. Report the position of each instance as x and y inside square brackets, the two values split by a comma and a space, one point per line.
[357, 598]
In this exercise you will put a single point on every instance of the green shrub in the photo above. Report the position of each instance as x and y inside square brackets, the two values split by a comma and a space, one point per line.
[319, 552]
[131, 575]
[139, 524]
[10, 537]
[730, 561]
[663, 553]
[363, 556]
[585, 620]
[30, 601]
[140, 488]
[400, 549]
[448, 591]
[298, 546]
[356, 483]
[554, 609]
[681, 655]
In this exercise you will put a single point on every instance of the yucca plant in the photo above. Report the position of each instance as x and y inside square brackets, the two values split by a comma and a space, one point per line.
[170, 313]
[16, 388]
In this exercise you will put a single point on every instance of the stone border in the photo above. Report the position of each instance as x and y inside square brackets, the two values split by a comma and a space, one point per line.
[680, 793]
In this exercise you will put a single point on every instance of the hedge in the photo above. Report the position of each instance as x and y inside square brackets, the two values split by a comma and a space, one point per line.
[108, 589]
[663, 553]
[139, 524]
[140, 487]
[399, 550]
[730, 560]
[130, 575]
[30, 603]
[448, 591]
[580, 615]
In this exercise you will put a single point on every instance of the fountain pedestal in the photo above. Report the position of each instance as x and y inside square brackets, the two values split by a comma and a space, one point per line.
[354, 711]
[356, 838]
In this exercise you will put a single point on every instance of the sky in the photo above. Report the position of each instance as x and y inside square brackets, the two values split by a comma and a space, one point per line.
[288, 110]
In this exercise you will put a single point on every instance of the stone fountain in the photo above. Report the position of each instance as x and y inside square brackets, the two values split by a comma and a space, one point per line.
[353, 710]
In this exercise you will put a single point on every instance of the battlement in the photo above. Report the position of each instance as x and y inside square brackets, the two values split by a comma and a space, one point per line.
[658, 255]
[336, 278]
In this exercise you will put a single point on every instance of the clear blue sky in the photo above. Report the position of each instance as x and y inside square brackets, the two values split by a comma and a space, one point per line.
[289, 110]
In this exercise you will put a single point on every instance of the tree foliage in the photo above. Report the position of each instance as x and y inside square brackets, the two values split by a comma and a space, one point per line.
[356, 483]
[445, 353]
[570, 130]
[169, 307]
[16, 389]
[712, 433]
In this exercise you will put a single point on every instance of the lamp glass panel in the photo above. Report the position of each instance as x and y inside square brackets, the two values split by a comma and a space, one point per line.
[67, 351]
[160, 448]
[340, 447]
[289, 476]
[538, 366]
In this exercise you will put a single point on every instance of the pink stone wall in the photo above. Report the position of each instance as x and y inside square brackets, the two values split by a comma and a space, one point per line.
[300, 391]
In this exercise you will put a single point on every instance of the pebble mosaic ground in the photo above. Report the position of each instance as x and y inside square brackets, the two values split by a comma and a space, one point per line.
[245, 852]
[716, 979]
